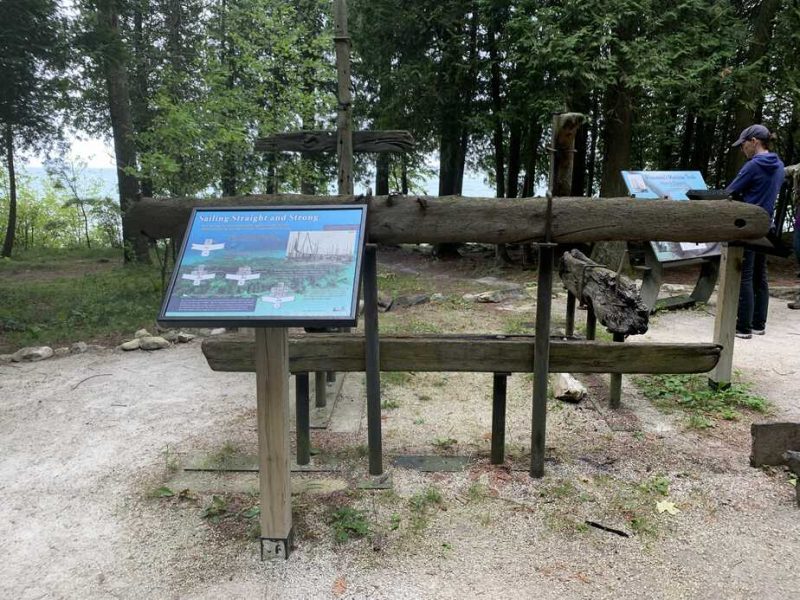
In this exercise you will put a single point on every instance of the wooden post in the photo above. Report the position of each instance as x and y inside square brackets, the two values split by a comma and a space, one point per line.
[303, 419]
[591, 323]
[725, 319]
[615, 382]
[272, 395]
[499, 387]
[320, 389]
[569, 329]
[344, 117]
[372, 360]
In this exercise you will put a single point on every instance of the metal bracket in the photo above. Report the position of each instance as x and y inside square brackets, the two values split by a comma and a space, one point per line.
[277, 548]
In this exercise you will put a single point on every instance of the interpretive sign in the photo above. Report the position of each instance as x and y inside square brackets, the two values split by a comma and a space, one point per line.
[268, 267]
[672, 185]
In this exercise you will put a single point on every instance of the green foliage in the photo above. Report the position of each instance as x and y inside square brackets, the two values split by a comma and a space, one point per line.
[348, 523]
[66, 301]
[692, 394]
[217, 510]
[421, 504]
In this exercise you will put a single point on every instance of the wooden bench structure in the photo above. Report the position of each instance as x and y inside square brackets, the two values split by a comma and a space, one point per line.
[417, 219]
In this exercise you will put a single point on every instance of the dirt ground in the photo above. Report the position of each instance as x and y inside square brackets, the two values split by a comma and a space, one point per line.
[91, 442]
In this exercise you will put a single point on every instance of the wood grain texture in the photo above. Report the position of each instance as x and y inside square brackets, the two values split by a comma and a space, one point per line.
[272, 393]
[430, 219]
[464, 353]
[325, 141]
[615, 300]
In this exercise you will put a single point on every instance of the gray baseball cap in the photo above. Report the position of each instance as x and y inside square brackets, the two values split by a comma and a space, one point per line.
[754, 131]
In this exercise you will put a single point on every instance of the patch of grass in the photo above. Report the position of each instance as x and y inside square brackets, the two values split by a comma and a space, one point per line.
[444, 443]
[55, 309]
[222, 457]
[703, 405]
[390, 404]
[397, 284]
[398, 378]
[217, 510]
[420, 505]
[348, 523]
[658, 485]
[519, 325]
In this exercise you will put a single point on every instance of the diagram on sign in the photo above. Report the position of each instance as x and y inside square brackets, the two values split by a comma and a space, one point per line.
[198, 276]
[278, 295]
[242, 276]
[207, 247]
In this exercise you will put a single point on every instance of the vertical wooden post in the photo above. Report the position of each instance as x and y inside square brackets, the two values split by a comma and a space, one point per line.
[591, 323]
[344, 126]
[615, 381]
[320, 389]
[499, 387]
[372, 360]
[541, 359]
[302, 417]
[569, 329]
[272, 396]
[725, 319]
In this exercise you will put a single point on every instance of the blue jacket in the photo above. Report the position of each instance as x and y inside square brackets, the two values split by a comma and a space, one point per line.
[759, 181]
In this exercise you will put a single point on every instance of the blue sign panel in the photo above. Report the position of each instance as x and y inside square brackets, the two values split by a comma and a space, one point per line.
[281, 267]
[671, 185]
[663, 184]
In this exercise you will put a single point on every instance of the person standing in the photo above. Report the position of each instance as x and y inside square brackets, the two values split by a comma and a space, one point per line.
[758, 182]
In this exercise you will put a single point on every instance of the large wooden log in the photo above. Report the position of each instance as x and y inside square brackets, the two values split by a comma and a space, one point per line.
[421, 219]
[325, 141]
[345, 352]
[615, 299]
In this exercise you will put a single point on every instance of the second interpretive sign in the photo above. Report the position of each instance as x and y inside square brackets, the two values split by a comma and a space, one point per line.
[281, 267]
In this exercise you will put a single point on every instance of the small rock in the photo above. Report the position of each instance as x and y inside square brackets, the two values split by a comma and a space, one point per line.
[495, 296]
[78, 348]
[411, 300]
[217, 331]
[569, 389]
[170, 335]
[498, 283]
[153, 343]
[131, 345]
[185, 337]
[437, 297]
[6, 358]
[32, 354]
[142, 333]
[61, 351]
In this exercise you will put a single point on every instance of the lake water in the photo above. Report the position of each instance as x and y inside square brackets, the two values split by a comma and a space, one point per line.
[106, 180]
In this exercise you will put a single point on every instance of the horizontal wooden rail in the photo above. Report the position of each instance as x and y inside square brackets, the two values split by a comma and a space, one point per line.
[481, 353]
[325, 141]
[426, 219]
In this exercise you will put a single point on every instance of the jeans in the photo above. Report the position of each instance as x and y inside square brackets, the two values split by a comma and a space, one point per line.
[797, 243]
[753, 293]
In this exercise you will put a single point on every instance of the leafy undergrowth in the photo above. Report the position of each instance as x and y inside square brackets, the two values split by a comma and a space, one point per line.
[702, 404]
[61, 302]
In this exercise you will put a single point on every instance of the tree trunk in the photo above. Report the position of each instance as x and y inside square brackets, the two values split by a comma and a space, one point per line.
[382, 175]
[11, 227]
[514, 159]
[687, 139]
[617, 140]
[750, 94]
[141, 115]
[592, 147]
[497, 118]
[119, 104]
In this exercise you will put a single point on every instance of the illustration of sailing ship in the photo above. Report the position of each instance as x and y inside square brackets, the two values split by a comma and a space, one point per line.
[321, 246]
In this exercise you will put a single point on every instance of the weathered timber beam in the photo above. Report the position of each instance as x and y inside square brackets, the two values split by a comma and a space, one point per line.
[325, 141]
[430, 219]
[614, 298]
[345, 352]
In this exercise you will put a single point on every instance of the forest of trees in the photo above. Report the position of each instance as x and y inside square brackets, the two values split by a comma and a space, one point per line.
[184, 87]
